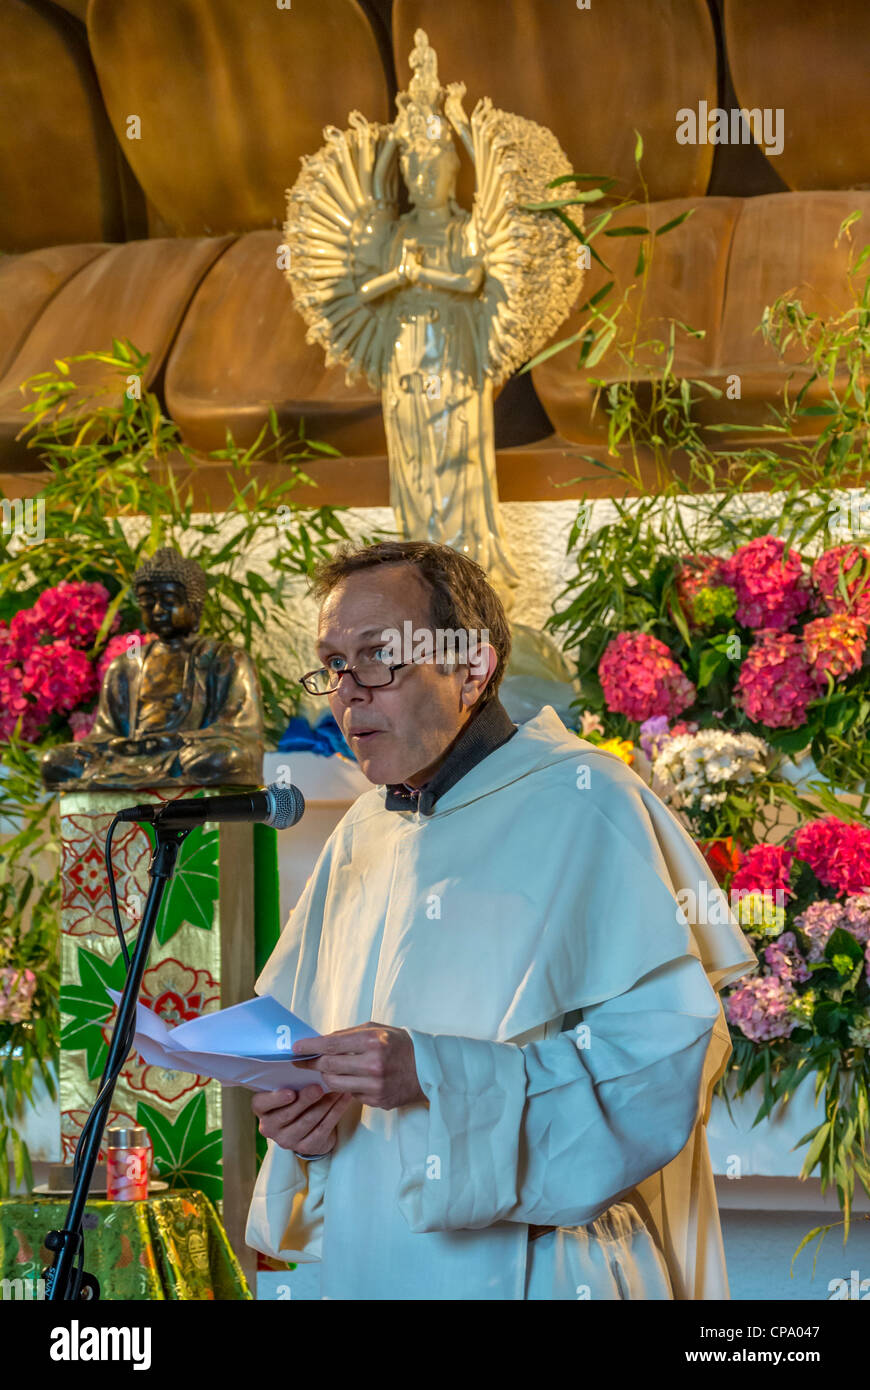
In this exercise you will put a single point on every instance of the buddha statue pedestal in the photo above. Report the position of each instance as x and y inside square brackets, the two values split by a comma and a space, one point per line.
[202, 958]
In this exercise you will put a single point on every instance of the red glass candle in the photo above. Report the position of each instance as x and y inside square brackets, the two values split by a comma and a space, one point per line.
[126, 1163]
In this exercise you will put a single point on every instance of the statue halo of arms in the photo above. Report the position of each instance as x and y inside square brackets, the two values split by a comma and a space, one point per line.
[342, 219]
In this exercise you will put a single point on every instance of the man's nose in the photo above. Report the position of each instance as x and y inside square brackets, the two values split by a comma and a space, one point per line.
[348, 690]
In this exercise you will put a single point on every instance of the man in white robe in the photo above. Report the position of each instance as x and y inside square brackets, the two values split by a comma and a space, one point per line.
[519, 1004]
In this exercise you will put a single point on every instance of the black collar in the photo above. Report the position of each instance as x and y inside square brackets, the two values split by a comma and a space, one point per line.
[487, 729]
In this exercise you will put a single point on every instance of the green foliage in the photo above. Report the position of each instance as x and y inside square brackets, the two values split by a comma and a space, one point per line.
[29, 910]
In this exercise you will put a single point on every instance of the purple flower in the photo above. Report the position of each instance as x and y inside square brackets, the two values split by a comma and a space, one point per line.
[785, 960]
[654, 733]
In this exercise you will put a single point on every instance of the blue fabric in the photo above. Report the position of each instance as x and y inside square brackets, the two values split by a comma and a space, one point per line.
[325, 737]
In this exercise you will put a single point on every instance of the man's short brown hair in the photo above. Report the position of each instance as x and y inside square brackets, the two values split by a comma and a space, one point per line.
[461, 596]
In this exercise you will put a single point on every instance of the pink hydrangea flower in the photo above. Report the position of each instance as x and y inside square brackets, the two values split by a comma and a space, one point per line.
[838, 852]
[764, 869]
[826, 578]
[760, 1008]
[14, 704]
[81, 722]
[770, 584]
[822, 917]
[58, 677]
[17, 988]
[835, 644]
[117, 646]
[25, 631]
[776, 684]
[640, 678]
[74, 610]
[785, 959]
[683, 727]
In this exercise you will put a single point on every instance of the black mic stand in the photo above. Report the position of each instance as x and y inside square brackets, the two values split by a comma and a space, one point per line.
[63, 1281]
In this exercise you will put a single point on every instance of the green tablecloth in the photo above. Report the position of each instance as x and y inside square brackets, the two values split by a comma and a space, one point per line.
[171, 1246]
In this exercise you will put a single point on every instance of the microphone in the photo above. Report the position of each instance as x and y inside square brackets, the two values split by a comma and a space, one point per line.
[277, 806]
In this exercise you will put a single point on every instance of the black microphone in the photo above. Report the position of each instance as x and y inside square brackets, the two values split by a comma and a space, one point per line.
[277, 806]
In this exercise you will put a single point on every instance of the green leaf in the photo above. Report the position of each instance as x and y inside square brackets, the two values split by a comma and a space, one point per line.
[193, 889]
[581, 178]
[597, 297]
[674, 222]
[600, 347]
[711, 664]
[87, 1005]
[815, 1149]
[592, 196]
[849, 221]
[186, 1154]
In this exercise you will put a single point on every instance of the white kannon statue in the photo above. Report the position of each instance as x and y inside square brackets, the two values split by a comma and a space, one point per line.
[436, 307]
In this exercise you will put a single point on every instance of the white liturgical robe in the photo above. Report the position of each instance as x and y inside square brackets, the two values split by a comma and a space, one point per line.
[567, 1032]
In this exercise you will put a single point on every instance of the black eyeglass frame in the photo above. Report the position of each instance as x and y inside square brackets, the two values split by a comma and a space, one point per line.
[351, 670]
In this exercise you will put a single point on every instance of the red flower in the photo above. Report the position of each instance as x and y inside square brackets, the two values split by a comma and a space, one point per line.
[838, 853]
[764, 869]
[697, 572]
[640, 678]
[852, 563]
[769, 583]
[59, 677]
[74, 610]
[836, 644]
[776, 684]
[723, 856]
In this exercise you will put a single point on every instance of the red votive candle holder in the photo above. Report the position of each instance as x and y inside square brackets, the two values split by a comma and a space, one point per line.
[127, 1163]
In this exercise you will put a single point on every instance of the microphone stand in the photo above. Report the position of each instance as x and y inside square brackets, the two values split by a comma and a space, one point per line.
[63, 1281]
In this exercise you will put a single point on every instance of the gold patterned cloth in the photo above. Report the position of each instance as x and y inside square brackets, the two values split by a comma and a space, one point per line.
[172, 1246]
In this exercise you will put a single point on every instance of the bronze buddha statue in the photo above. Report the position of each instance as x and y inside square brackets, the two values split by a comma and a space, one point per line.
[178, 710]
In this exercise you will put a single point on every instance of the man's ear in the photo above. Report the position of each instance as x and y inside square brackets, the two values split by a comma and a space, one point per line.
[482, 661]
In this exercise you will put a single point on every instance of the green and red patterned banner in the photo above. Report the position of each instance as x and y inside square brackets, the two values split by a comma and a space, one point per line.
[181, 1112]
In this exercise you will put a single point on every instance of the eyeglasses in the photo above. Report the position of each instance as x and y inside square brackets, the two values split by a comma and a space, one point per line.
[367, 674]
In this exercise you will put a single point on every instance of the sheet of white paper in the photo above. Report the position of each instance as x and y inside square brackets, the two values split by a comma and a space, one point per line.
[246, 1045]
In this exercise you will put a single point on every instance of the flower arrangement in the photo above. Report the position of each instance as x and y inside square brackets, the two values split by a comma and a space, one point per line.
[760, 642]
[747, 564]
[807, 1012]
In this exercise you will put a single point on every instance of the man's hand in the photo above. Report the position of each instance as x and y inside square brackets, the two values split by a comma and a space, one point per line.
[305, 1122]
[373, 1062]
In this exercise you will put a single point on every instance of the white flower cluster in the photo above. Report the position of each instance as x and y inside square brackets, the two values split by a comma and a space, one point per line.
[701, 768]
